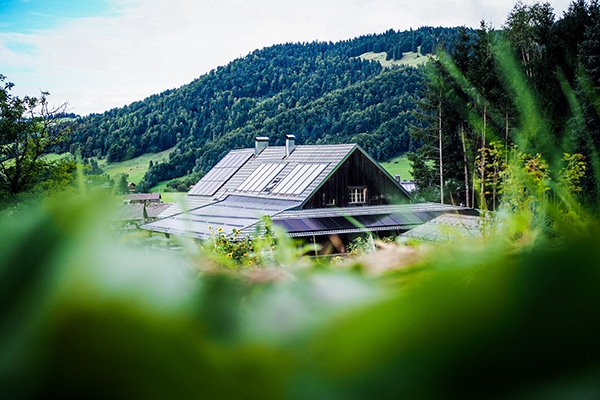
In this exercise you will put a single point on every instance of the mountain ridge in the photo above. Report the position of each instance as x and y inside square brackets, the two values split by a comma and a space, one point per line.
[321, 91]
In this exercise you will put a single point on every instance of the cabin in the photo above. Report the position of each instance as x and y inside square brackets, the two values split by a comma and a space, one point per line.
[313, 191]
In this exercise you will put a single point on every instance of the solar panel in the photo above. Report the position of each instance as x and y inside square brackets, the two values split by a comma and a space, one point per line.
[220, 173]
[299, 179]
[261, 177]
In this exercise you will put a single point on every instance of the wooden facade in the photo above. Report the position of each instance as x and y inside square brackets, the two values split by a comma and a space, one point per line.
[357, 173]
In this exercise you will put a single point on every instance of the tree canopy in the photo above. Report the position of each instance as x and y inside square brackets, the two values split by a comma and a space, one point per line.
[27, 132]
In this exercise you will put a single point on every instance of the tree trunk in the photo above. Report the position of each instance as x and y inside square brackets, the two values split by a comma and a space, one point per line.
[441, 153]
[465, 164]
[482, 163]
[506, 130]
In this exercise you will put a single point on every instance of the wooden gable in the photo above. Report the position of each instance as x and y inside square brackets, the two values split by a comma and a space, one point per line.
[358, 181]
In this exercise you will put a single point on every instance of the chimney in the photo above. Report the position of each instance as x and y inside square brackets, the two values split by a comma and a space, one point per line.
[290, 144]
[260, 143]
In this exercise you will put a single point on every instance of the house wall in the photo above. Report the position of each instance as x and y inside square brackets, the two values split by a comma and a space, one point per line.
[357, 171]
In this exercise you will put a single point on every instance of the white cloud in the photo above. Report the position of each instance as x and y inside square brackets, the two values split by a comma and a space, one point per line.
[153, 45]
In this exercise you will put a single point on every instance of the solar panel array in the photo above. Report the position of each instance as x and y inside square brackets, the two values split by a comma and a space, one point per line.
[220, 173]
[261, 177]
[235, 212]
[306, 224]
[299, 223]
[299, 179]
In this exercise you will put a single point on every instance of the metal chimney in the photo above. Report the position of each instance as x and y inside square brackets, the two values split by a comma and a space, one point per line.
[260, 143]
[290, 144]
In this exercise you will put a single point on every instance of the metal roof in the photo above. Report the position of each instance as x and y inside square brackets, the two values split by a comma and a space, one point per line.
[220, 173]
[447, 226]
[187, 203]
[289, 182]
[305, 223]
[141, 197]
[155, 209]
[235, 212]
[130, 212]
[264, 175]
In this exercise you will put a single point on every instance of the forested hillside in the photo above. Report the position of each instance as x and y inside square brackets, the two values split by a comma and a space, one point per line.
[322, 92]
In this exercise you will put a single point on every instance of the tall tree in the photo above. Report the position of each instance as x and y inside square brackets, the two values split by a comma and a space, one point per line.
[434, 102]
[461, 56]
[533, 34]
[528, 28]
[483, 77]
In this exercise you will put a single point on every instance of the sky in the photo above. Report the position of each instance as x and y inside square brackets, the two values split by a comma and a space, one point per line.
[100, 54]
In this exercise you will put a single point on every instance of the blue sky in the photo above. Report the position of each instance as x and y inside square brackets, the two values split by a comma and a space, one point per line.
[100, 54]
[26, 16]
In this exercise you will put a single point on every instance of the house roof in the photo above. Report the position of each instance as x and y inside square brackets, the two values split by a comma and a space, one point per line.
[155, 209]
[402, 217]
[270, 175]
[243, 187]
[130, 212]
[234, 212]
[447, 226]
[142, 197]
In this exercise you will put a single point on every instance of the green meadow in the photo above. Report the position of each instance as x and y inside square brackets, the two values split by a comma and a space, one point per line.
[399, 166]
[135, 168]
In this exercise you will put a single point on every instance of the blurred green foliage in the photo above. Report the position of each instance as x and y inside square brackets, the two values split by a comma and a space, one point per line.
[86, 315]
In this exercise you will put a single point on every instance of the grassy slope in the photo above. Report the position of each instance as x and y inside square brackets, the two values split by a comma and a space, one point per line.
[136, 167]
[410, 58]
[399, 165]
[167, 197]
